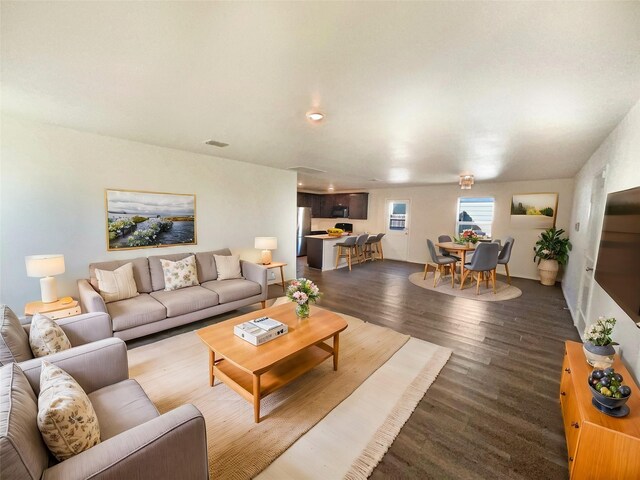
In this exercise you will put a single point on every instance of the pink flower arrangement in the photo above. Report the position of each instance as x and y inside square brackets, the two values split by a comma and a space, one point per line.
[302, 291]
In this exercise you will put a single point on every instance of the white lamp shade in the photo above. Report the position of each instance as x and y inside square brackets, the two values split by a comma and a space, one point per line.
[266, 243]
[44, 265]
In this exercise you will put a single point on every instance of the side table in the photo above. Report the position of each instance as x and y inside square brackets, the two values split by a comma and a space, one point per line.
[64, 307]
[281, 266]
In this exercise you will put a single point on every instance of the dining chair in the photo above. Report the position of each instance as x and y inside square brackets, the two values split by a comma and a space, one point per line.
[443, 239]
[484, 261]
[344, 250]
[505, 256]
[360, 242]
[442, 262]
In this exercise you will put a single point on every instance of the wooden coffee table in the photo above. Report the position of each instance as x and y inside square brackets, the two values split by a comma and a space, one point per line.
[256, 371]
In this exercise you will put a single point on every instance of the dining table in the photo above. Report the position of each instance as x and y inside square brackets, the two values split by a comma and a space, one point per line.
[459, 250]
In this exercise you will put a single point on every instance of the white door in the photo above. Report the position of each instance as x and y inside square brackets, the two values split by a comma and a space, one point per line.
[395, 243]
[594, 227]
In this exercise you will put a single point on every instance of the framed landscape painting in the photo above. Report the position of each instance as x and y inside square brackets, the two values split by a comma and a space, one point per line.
[534, 210]
[149, 219]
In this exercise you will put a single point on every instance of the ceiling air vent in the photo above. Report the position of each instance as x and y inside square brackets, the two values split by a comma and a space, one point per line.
[306, 170]
[216, 143]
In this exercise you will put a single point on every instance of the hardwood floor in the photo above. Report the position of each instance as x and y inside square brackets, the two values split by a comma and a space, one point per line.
[493, 412]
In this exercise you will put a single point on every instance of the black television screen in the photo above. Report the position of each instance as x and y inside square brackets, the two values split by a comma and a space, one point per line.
[618, 267]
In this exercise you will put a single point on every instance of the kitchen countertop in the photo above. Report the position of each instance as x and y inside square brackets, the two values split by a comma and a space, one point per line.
[327, 237]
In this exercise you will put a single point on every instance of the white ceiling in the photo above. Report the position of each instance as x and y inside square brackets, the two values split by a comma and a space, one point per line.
[414, 93]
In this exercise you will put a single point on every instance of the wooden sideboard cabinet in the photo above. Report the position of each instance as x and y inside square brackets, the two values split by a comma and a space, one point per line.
[599, 446]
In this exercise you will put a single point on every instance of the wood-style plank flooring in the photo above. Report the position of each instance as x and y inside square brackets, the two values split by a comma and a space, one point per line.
[493, 412]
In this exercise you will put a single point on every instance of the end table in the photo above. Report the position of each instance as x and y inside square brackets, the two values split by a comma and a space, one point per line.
[64, 307]
[281, 266]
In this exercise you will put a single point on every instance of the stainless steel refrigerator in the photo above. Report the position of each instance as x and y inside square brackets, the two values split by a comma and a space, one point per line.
[304, 228]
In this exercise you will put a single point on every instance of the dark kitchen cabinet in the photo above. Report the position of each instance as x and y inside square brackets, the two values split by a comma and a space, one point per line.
[322, 205]
[358, 206]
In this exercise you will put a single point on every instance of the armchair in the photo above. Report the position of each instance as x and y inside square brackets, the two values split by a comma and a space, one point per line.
[136, 441]
[80, 330]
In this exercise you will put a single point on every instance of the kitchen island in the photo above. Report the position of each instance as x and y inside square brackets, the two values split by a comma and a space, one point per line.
[322, 252]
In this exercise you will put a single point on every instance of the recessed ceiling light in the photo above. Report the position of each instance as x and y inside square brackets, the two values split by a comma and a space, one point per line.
[330, 188]
[299, 184]
[315, 116]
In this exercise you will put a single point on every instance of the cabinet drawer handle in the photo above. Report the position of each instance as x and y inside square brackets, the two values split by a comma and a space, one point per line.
[571, 459]
[568, 370]
[562, 393]
[575, 425]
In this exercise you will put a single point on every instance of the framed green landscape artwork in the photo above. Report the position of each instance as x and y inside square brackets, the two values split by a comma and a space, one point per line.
[534, 210]
[149, 219]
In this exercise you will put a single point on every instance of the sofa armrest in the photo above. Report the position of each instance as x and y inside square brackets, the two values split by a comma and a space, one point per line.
[173, 445]
[255, 273]
[84, 328]
[90, 300]
[93, 366]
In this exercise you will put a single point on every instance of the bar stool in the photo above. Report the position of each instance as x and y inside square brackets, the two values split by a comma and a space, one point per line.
[373, 247]
[344, 250]
[360, 243]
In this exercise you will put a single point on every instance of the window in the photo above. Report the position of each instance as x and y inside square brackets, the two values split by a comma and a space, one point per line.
[475, 214]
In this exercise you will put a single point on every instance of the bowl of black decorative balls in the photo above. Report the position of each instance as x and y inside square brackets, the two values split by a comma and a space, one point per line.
[609, 394]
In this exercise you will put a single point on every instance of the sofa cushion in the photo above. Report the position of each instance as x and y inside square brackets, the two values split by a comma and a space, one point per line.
[118, 284]
[180, 274]
[135, 311]
[186, 300]
[155, 267]
[23, 454]
[206, 264]
[46, 336]
[66, 419]
[120, 407]
[228, 267]
[232, 290]
[141, 272]
[14, 341]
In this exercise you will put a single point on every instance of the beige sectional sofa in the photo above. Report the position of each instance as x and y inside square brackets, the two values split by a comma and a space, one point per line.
[155, 309]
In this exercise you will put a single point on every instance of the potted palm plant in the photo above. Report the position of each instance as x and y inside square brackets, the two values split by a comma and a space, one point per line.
[551, 250]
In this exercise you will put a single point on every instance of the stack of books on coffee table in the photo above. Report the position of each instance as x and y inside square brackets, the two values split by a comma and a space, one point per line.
[260, 330]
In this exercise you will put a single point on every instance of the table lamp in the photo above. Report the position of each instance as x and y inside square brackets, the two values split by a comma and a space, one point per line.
[266, 244]
[44, 266]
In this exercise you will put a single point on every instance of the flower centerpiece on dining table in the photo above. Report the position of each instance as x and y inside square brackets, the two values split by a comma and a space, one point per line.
[598, 345]
[302, 291]
[468, 236]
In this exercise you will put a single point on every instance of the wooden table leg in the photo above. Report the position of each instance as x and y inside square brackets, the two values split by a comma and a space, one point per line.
[336, 347]
[462, 255]
[256, 398]
[282, 278]
[212, 360]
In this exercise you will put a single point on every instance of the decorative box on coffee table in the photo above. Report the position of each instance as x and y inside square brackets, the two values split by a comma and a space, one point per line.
[599, 446]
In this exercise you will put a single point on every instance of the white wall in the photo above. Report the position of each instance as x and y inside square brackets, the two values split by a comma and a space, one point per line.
[52, 195]
[620, 153]
[434, 211]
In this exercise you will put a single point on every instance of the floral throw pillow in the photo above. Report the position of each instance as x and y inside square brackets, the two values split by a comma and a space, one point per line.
[46, 336]
[66, 419]
[179, 274]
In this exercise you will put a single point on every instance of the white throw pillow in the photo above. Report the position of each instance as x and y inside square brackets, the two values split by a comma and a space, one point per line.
[179, 274]
[117, 284]
[46, 336]
[66, 419]
[228, 267]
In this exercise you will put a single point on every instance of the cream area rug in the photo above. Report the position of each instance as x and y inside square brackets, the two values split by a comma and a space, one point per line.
[174, 371]
[504, 291]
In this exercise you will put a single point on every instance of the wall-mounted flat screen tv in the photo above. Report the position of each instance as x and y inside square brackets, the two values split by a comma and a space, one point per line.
[618, 267]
